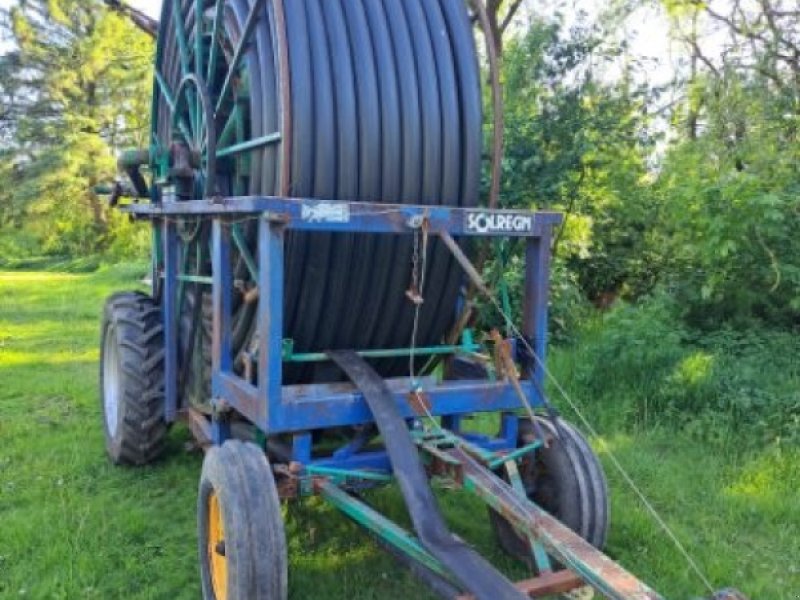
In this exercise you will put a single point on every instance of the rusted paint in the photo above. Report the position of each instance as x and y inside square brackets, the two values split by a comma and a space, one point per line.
[545, 584]
[419, 402]
[442, 464]
[562, 543]
[250, 295]
[558, 582]
[284, 82]
[199, 426]
[287, 481]
[503, 363]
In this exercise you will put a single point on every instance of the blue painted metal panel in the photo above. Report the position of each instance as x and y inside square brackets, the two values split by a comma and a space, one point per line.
[301, 447]
[365, 217]
[349, 408]
[375, 460]
[270, 316]
[537, 284]
[221, 347]
[379, 460]
[275, 408]
[169, 239]
[245, 398]
[321, 409]
[221, 352]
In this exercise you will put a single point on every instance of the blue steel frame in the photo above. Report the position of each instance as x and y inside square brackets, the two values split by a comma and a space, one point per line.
[298, 409]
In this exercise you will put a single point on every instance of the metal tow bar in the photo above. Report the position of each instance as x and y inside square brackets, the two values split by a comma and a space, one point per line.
[472, 572]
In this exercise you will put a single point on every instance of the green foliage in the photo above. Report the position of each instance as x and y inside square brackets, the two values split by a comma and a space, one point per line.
[640, 360]
[729, 228]
[74, 526]
[709, 213]
[580, 146]
[75, 89]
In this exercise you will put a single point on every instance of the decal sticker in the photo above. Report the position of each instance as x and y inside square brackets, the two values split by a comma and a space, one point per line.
[325, 212]
[488, 222]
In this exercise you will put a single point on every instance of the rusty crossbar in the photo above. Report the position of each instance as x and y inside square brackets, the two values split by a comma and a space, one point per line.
[586, 561]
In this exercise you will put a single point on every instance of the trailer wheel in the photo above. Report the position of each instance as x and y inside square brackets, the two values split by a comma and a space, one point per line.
[132, 378]
[241, 539]
[566, 480]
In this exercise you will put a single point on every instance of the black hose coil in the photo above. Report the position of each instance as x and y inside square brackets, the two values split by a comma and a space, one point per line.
[385, 107]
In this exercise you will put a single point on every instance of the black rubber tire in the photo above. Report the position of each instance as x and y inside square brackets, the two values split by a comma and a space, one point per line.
[239, 475]
[584, 499]
[566, 480]
[598, 487]
[132, 353]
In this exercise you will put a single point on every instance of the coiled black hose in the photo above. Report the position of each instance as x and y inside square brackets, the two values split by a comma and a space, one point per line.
[385, 106]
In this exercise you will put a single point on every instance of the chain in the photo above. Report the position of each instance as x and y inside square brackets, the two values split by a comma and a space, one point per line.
[419, 260]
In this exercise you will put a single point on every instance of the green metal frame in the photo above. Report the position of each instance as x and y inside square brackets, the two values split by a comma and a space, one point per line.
[547, 537]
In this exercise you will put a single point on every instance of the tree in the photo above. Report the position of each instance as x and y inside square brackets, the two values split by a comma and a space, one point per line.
[75, 89]
[580, 145]
[728, 189]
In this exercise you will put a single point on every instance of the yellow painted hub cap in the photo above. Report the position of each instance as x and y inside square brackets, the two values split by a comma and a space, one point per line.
[216, 549]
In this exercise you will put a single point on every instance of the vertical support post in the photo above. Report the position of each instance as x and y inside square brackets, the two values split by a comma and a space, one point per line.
[509, 428]
[452, 423]
[537, 278]
[221, 345]
[270, 318]
[301, 447]
[156, 260]
[540, 558]
[169, 239]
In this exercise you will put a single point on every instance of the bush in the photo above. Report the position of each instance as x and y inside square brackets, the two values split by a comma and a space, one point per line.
[128, 240]
[751, 382]
[639, 366]
[567, 307]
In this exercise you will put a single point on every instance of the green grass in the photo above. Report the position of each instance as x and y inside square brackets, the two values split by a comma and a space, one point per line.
[73, 526]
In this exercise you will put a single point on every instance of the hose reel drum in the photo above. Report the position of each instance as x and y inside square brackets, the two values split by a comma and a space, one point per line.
[352, 100]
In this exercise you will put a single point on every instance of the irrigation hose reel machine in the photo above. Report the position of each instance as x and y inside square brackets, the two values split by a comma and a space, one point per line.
[313, 187]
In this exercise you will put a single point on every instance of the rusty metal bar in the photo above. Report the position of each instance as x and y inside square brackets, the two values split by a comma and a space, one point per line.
[199, 425]
[546, 584]
[465, 263]
[586, 561]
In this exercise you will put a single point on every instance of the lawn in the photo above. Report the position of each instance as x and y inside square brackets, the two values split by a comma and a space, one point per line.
[74, 526]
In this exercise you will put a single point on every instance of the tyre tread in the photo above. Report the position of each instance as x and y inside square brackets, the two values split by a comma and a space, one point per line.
[136, 321]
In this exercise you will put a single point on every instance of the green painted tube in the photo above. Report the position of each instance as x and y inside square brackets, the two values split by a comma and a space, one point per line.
[515, 454]
[386, 530]
[305, 357]
[196, 279]
[241, 244]
[349, 473]
[249, 145]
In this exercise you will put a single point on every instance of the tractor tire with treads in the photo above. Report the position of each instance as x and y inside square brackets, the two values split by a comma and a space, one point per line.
[241, 537]
[132, 378]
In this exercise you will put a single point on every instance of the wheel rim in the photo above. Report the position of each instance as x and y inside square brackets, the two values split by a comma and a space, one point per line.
[217, 562]
[111, 374]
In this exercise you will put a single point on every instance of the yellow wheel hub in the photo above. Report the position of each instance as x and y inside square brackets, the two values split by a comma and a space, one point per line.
[217, 562]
